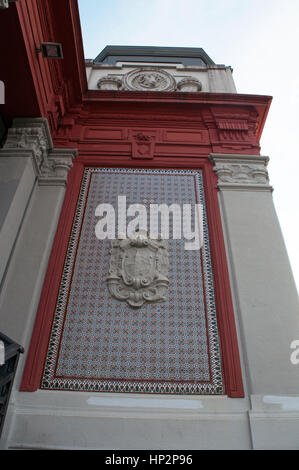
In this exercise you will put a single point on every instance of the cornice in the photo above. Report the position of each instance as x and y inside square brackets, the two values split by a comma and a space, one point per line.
[228, 106]
[164, 96]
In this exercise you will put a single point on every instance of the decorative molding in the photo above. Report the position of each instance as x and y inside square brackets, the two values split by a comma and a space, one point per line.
[246, 174]
[109, 83]
[55, 169]
[33, 135]
[149, 79]
[232, 124]
[143, 145]
[189, 84]
[138, 269]
[241, 172]
[232, 131]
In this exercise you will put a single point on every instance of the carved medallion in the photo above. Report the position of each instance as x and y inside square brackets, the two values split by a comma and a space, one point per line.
[149, 79]
[139, 269]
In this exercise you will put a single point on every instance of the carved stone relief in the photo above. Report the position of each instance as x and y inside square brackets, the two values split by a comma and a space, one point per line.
[33, 138]
[237, 173]
[150, 79]
[143, 145]
[138, 269]
[241, 171]
[33, 135]
[55, 169]
[189, 84]
[109, 83]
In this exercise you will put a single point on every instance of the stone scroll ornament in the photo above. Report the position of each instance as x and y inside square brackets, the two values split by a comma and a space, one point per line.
[139, 269]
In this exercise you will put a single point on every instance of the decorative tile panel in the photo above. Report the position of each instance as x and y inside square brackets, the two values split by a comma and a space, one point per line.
[100, 344]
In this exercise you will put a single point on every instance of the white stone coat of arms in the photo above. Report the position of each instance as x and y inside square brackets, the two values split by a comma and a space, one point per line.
[139, 269]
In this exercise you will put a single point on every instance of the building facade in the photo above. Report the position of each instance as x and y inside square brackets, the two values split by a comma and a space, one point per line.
[138, 343]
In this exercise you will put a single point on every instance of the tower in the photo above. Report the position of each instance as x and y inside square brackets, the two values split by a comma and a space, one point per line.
[189, 351]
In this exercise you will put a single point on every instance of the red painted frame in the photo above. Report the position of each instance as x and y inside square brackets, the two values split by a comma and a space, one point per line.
[226, 322]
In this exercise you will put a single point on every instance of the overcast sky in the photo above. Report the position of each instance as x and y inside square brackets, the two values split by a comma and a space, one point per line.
[258, 38]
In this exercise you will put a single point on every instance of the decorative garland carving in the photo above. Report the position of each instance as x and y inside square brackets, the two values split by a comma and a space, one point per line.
[241, 171]
[238, 173]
